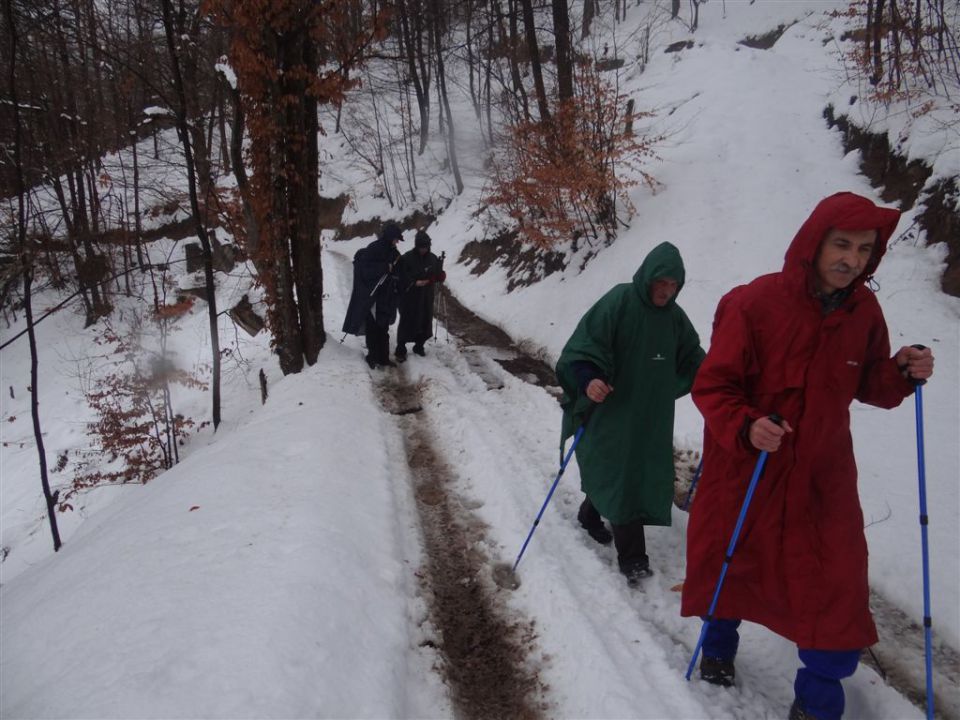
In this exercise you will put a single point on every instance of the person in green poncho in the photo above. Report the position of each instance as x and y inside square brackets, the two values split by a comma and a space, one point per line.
[631, 356]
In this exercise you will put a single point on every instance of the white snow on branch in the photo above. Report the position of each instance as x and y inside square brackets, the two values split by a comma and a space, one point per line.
[156, 111]
[224, 68]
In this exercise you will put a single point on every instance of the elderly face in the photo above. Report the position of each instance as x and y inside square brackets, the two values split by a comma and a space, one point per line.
[842, 257]
[662, 290]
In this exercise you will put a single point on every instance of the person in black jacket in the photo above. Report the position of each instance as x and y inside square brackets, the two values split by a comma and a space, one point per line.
[373, 302]
[419, 270]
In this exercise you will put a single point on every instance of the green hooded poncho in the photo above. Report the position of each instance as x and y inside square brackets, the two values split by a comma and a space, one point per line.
[649, 355]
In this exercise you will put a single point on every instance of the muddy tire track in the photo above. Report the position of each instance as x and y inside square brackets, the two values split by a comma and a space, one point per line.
[484, 648]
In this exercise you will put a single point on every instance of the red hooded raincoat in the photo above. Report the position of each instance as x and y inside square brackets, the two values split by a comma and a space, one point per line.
[800, 566]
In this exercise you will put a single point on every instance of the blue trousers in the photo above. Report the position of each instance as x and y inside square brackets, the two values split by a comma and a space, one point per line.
[817, 686]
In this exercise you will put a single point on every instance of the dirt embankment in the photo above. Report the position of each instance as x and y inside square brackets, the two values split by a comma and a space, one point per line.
[905, 181]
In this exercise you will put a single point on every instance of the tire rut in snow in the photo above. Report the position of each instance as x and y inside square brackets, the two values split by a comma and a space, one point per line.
[484, 652]
[899, 658]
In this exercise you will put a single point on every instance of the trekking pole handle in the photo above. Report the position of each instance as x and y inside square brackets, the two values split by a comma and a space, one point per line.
[917, 381]
[775, 418]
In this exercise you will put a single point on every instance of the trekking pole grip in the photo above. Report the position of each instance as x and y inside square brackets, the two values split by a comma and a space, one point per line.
[775, 418]
[917, 381]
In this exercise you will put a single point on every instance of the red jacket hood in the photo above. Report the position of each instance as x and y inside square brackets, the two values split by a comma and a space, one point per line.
[843, 211]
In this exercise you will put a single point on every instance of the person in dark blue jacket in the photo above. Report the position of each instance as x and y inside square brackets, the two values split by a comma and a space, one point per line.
[373, 302]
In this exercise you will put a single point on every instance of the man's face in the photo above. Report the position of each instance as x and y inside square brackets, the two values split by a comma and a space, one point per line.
[423, 249]
[662, 290]
[842, 257]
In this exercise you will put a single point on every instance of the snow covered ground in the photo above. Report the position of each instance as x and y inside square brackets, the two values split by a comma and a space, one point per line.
[275, 572]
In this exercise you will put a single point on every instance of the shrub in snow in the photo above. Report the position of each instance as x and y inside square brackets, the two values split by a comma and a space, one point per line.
[137, 432]
[562, 178]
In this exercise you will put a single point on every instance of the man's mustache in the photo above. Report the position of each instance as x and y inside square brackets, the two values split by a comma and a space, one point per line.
[842, 267]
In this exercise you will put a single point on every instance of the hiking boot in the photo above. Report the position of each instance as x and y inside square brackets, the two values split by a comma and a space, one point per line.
[597, 530]
[718, 671]
[401, 353]
[798, 713]
[635, 574]
[418, 349]
[371, 362]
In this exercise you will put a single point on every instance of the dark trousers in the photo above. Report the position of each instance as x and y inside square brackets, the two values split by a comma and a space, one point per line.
[403, 345]
[378, 341]
[629, 539]
[817, 685]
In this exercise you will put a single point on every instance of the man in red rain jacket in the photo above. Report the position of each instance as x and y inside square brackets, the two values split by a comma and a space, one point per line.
[803, 344]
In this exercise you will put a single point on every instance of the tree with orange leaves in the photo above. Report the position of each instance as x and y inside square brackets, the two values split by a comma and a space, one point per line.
[289, 56]
[562, 178]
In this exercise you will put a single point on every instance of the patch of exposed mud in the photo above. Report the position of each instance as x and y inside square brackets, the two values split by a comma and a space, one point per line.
[484, 652]
[525, 263]
[418, 220]
[765, 41]
[899, 178]
[473, 330]
[678, 46]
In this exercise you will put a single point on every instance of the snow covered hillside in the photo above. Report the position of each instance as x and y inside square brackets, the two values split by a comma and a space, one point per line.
[287, 567]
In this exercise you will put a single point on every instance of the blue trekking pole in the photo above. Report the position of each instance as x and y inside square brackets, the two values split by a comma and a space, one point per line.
[924, 521]
[730, 548]
[563, 466]
[693, 485]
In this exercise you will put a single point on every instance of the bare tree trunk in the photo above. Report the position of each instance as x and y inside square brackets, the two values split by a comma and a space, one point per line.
[304, 206]
[515, 76]
[423, 94]
[474, 86]
[137, 223]
[896, 75]
[561, 30]
[589, 10]
[442, 85]
[423, 56]
[240, 174]
[488, 81]
[877, 40]
[534, 50]
[26, 260]
[222, 127]
[184, 132]
[88, 305]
